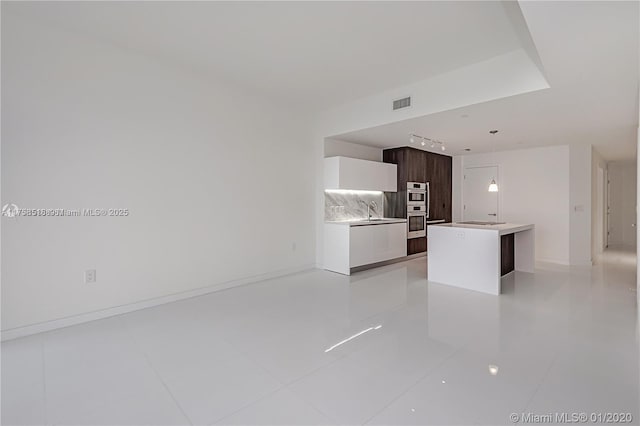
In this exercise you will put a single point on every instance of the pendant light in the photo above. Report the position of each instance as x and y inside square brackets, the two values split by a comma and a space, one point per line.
[493, 186]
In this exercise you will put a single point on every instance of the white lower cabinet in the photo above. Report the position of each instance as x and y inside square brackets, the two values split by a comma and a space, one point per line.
[348, 247]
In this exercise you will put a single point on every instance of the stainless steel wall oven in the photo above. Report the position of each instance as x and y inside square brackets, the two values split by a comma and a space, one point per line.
[417, 209]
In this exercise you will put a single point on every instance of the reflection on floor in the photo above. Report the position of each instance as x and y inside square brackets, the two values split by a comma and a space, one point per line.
[383, 346]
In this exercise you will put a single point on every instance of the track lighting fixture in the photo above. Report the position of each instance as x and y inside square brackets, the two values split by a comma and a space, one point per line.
[425, 140]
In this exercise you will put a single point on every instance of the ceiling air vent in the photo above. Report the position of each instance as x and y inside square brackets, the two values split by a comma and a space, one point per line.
[402, 103]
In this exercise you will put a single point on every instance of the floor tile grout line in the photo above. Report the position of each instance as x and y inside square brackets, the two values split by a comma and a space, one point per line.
[285, 385]
[312, 405]
[136, 345]
[413, 385]
[246, 352]
[240, 351]
[260, 398]
[315, 370]
[546, 374]
[166, 387]
[247, 405]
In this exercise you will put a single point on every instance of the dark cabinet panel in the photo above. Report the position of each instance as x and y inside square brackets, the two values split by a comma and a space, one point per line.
[439, 175]
[507, 258]
[417, 165]
[416, 245]
[395, 203]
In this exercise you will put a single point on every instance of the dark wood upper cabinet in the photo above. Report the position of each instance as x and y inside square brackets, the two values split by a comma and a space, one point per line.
[415, 165]
[439, 175]
[396, 202]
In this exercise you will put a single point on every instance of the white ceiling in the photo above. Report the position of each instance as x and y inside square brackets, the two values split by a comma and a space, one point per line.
[312, 54]
[589, 51]
[316, 55]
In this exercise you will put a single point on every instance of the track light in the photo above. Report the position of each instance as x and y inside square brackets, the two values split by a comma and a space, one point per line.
[424, 140]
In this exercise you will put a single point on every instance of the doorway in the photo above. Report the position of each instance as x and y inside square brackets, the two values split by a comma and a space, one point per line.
[621, 209]
[478, 203]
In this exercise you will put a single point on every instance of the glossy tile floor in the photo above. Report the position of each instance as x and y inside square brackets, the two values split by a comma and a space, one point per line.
[381, 347]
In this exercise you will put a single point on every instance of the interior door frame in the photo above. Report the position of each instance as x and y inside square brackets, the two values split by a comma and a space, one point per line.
[497, 166]
[601, 207]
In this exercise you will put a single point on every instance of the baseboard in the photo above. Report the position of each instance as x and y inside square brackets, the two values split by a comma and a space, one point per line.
[553, 261]
[55, 324]
[388, 262]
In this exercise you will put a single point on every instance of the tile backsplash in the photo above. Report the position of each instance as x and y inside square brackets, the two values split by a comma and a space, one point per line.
[351, 205]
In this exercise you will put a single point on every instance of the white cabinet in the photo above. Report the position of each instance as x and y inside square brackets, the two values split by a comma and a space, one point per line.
[377, 243]
[347, 247]
[356, 174]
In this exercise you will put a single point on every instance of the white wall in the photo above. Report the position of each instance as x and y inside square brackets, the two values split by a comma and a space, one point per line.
[456, 188]
[622, 203]
[580, 204]
[534, 188]
[337, 147]
[210, 174]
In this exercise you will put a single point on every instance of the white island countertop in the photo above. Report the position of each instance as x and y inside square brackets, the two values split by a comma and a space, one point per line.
[503, 228]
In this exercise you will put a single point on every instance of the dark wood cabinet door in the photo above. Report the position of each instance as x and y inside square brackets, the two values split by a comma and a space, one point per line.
[507, 258]
[448, 188]
[417, 165]
[416, 245]
[395, 203]
[439, 175]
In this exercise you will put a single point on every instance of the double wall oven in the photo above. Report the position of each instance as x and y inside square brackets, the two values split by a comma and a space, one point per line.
[417, 209]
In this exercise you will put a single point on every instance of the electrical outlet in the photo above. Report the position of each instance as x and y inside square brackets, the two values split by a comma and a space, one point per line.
[90, 276]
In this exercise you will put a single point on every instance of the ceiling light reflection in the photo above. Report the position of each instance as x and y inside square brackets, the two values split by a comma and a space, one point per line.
[353, 337]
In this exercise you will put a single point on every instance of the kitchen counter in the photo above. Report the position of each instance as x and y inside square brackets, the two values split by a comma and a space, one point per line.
[365, 222]
[475, 256]
[503, 228]
[360, 243]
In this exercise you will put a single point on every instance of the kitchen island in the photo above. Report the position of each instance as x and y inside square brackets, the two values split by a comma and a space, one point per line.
[475, 255]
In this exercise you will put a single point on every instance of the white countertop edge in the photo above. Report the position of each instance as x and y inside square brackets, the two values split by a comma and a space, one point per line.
[365, 222]
[502, 229]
